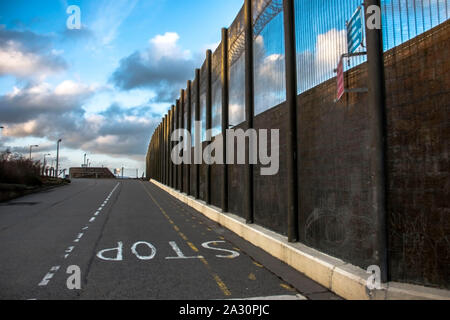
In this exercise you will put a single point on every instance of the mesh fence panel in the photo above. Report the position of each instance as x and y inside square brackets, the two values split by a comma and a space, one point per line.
[405, 19]
[321, 39]
[216, 94]
[181, 114]
[321, 32]
[236, 70]
[185, 109]
[193, 107]
[268, 54]
[203, 88]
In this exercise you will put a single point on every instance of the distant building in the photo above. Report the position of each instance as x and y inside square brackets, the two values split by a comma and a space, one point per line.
[91, 173]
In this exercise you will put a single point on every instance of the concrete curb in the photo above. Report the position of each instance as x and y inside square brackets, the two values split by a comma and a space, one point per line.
[344, 279]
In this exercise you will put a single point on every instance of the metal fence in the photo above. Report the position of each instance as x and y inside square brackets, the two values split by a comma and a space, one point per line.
[236, 70]
[268, 54]
[320, 33]
[259, 66]
[406, 19]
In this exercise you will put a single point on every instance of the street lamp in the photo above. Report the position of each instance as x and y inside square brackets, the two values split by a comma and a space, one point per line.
[43, 168]
[84, 163]
[57, 157]
[31, 147]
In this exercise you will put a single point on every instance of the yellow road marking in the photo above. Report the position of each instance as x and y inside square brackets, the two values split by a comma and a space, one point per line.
[191, 245]
[222, 286]
[183, 236]
[287, 287]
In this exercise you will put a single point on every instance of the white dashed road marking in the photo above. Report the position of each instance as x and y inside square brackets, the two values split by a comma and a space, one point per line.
[49, 276]
[44, 282]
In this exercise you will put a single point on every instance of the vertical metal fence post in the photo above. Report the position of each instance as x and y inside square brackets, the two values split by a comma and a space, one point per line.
[172, 167]
[151, 160]
[152, 164]
[149, 174]
[161, 149]
[160, 152]
[208, 121]
[249, 107]
[157, 153]
[225, 122]
[177, 126]
[197, 119]
[377, 136]
[167, 149]
[291, 102]
[189, 125]
[182, 127]
[150, 149]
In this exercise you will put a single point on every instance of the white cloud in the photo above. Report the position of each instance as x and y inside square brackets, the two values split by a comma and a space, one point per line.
[316, 64]
[71, 88]
[21, 130]
[43, 99]
[28, 55]
[165, 46]
[23, 64]
[329, 47]
[164, 67]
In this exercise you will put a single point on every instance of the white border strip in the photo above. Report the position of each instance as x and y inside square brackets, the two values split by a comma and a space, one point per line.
[342, 278]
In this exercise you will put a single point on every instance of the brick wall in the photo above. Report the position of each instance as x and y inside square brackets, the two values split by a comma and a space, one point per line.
[418, 109]
[335, 215]
[270, 192]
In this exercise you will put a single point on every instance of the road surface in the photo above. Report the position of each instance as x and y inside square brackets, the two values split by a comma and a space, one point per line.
[128, 239]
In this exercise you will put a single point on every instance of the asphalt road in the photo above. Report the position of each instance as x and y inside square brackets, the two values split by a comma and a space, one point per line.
[131, 240]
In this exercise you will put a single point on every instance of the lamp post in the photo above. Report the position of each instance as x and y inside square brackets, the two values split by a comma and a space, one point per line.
[31, 147]
[57, 157]
[43, 168]
[84, 163]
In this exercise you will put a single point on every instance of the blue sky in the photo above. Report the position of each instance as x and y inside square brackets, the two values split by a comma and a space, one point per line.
[81, 85]
[103, 89]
